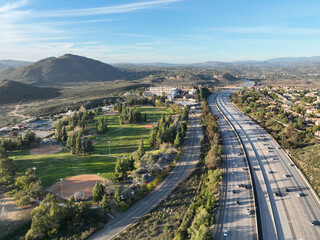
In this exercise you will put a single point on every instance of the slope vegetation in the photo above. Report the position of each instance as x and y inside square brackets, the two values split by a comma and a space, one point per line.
[14, 92]
[63, 70]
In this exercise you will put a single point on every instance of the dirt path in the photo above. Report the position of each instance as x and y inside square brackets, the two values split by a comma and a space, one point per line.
[14, 112]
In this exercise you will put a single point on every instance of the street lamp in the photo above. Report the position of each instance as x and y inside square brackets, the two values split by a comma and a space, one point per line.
[34, 170]
[61, 187]
[109, 147]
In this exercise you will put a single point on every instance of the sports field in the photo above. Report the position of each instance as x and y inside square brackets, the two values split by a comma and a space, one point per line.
[124, 139]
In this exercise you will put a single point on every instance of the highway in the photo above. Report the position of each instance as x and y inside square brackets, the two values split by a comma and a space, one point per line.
[235, 200]
[187, 163]
[286, 202]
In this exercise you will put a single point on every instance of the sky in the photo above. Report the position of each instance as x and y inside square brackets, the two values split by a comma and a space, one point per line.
[148, 31]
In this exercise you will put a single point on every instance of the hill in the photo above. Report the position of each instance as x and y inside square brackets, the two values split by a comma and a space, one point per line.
[14, 92]
[12, 63]
[63, 70]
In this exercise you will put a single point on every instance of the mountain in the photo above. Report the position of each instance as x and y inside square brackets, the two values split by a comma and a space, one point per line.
[14, 92]
[66, 69]
[274, 62]
[12, 63]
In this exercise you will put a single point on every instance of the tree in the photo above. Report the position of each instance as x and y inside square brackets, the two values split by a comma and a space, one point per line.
[7, 168]
[89, 146]
[131, 163]
[102, 126]
[98, 192]
[117, 196]
[120, 170]
[153, 137]
[105, 204]
[45, 222]
[141, 150]
[178, 141]
[24, 181]
[185, 113]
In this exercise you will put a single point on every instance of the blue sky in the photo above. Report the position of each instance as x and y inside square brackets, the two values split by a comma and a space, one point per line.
[173, 31]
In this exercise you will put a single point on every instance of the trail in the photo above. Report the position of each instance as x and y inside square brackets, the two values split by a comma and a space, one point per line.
[14, 112]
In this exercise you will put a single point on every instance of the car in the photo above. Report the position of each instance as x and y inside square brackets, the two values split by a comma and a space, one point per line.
[287, 175]
[225, 233]
[300, 194]
[232, 173]
[233, 191]
[271, 172]
[238, 203]
[236, 165]
[315, 223]
[278, 194]
[248, 211]
[291, 164]
[270, 147]
[287, 190]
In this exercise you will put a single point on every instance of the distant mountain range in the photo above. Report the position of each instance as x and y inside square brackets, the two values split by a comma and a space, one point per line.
[62, 70]
[12, 63]
[273, 62]
[73, 69]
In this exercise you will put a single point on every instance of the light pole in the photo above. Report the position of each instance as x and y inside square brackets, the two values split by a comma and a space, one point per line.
[61, 187]
[109, 147]
[34, 170]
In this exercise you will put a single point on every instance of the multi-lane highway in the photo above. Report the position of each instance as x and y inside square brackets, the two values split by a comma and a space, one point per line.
[236, 192]
[184, 167]
[286, 204]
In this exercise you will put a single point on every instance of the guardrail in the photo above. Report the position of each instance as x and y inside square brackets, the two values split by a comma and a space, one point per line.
[256, 203]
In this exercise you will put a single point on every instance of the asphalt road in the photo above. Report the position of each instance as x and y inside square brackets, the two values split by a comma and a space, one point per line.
[184, 167]
[233, 216]
[284, 215]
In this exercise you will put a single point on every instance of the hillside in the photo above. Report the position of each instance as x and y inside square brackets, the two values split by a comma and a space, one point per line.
[12, 63]
[63, 70]
[14, 92]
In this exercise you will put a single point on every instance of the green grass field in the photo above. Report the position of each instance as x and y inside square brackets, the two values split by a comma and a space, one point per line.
[123, 140]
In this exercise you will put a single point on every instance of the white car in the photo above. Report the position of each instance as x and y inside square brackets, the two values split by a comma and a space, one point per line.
[225, 233]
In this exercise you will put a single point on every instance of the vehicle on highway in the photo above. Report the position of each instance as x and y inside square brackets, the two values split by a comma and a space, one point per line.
[315, 223]
[225, 233]
[278, 194]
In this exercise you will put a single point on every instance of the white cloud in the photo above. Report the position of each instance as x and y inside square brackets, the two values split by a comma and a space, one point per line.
[268, 30]
[106, 10]
[11, 6]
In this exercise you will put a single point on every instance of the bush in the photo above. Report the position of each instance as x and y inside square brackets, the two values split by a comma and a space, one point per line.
[23, 201]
